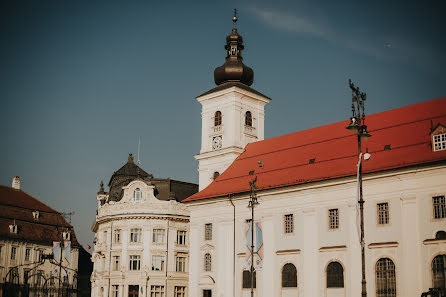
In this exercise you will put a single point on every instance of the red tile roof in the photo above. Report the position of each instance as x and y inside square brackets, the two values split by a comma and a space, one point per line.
[18, 205]
[286, 158]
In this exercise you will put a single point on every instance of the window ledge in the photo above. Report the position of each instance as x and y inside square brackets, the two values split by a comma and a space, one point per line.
[433, 241]
[377, 245]
[333, 248]
[287, 252]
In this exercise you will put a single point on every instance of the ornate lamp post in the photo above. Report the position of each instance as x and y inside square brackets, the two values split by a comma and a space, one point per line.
[252, 203]
[357, 125]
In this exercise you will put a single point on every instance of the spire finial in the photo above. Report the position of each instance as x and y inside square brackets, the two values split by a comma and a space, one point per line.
[234, 18]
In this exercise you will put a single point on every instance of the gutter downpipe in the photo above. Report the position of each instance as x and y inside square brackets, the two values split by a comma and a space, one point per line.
[233, 247]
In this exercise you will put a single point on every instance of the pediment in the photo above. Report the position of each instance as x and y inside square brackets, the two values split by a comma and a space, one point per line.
[206, 280]
[439, 129]
[207, 246]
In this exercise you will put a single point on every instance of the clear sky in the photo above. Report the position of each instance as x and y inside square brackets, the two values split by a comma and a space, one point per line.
[82, 81]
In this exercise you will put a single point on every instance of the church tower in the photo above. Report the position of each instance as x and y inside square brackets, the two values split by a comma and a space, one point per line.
[232, 113]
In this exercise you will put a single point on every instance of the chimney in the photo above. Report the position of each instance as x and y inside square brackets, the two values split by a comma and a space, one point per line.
[16, 182]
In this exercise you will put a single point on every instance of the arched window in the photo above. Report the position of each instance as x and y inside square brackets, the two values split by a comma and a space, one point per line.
[385, 278]
[216, 174]
[217, 118]
[137, 194]
[207, 262]
[289, 276]
[439, 272]
[247, 279]
[335, 275]
[248, 118]
[440, 235]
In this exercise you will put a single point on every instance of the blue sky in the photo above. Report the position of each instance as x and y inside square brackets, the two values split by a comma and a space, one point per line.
[82, 81]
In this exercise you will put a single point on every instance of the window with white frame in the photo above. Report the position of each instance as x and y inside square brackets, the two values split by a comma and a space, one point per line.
[383, 213]
[333, 218]
[117, 236]
[207, 262]
[181, 264]
[439, 205]
[440, 142]
[28, 254]
[135, 235]
[157, 263]
[13, 253]
[116, 261]
[385, 278]
[115, 290]
[181, 237]
[40, 255]
[137, 194]
[158, 235]
[134, 262]
[208, 231]
[288, 220]
[156, 291]
[180, 291]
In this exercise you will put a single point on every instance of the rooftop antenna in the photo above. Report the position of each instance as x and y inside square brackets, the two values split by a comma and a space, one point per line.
[139, 145]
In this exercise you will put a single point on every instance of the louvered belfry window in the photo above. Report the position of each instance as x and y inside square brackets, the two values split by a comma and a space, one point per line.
[335, 275]
[289, 276]
[385, 278]
[248, 119]
[217, 118]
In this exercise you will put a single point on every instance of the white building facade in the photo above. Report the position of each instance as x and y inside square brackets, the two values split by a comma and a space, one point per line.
[307, 225]
[142, 238]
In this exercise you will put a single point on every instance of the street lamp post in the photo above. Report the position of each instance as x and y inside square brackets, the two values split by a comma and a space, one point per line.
[252, 203]
[357, 125]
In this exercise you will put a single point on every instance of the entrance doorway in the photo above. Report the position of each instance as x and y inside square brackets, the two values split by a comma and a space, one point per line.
[133, 290]
[207, 293]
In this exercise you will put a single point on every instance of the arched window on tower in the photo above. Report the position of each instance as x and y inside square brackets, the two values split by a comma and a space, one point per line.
[335, 275]
[248, 119]
[385, 278]
[207, 262]
[440, 235]
[217, 118]
[439, 272]
[247, 279]
[289, 276]
[137, 194]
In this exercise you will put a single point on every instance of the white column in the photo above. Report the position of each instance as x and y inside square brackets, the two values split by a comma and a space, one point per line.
[310, 254]
[410, 283]
[270, 281]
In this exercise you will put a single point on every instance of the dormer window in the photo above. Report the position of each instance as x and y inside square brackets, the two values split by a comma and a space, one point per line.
[137, 194]
[440, 142]
[248, 119]
[36, 215]
[13, 228]
[66, 235]
[217, 118]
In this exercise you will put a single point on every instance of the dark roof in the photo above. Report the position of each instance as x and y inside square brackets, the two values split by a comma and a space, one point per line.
[231, 84]
[286, 159]
[19, 206]
[130, 169]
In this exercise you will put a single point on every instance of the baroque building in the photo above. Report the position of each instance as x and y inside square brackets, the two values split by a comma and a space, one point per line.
[31, 234]
[141, 236]
[306, 223]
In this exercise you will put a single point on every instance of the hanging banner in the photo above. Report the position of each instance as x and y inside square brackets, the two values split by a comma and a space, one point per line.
[56, 251]
[67, 251]
[258, 246]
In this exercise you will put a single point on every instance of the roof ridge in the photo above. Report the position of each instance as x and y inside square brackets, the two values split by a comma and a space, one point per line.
[35, 199]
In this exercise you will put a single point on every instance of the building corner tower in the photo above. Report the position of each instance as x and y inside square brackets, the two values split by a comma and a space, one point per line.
[232, 113]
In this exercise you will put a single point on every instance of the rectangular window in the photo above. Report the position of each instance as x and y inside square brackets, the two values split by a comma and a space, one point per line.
[156, 291]
[117, 236]
[13, 253]
[158, 235]
[439, 207]
[333, 217]
[289, 223]
[180, 291]
[383, 213]
[440, 142]
[40, 255]
[181, 237]
[27, 254]
[207, 293]
[181, 264]
[115, 263]
[115, 290]
[105, 237]
[135, 235]
[1, 252]
[158, 263]
[26, 276]
[247, 279]
[135, 262]
[208, 231]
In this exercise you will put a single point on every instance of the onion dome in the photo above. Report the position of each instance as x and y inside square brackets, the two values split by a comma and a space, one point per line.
[233, 70]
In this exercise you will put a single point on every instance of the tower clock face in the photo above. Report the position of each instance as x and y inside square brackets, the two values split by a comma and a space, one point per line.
[216, 142]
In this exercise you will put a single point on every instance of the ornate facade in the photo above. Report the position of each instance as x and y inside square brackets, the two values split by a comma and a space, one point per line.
[141, 236]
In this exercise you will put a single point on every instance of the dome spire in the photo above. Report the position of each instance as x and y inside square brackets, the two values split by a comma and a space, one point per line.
[233, 69]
